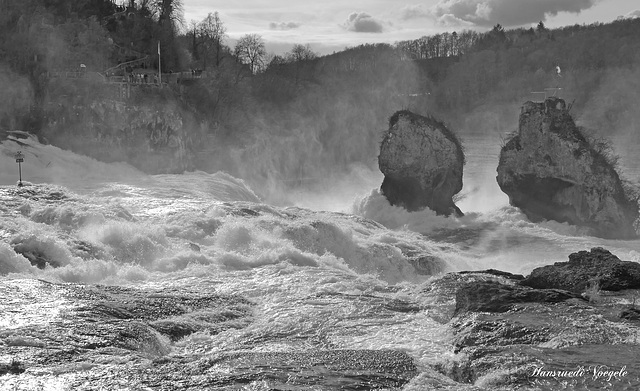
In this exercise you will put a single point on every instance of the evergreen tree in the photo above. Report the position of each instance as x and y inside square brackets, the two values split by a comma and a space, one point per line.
[541, 27]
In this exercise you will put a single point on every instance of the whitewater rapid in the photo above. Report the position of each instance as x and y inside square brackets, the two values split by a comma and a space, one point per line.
[300, 279]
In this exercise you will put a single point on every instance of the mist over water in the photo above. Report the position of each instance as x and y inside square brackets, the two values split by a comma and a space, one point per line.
[327, 265]
[492, 234]
[50, 164]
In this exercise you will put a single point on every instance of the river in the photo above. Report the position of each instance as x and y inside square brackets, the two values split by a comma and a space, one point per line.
[192, 282]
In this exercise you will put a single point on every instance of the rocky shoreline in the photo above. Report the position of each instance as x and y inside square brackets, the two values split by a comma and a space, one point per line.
[504, 334]
[558, 334]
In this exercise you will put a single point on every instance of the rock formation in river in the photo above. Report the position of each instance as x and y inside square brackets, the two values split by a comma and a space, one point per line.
[551, 171]
[597, 268]
[422, 164]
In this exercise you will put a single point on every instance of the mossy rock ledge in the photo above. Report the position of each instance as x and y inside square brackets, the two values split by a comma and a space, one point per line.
[422, 163]
[551, 171]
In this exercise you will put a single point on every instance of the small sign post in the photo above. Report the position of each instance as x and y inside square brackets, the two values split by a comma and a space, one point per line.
[19, 160]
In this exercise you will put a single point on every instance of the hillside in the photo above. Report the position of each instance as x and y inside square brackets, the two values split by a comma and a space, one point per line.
[281, 120]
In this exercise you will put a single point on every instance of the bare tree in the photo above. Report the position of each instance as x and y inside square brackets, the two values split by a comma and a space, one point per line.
[250, 50]
[299, 56]
[192, 34]
[212, 33]
[301, 53]
[170, 11]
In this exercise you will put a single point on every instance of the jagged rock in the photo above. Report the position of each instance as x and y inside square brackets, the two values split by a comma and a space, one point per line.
[493, 296]
[495, 272]
[630, 314]
[422, 164]
[502, 331]
[598, 268]
[551, 171]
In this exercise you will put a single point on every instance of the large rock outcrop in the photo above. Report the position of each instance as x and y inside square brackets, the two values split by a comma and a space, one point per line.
[551, 171]
[422, 164]
[596, 268]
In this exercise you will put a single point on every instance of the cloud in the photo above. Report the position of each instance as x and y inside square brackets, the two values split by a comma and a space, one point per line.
[453, 21]
[631, 15]
[413, 12]
[284, 25]
[505, 12]
[362, 22]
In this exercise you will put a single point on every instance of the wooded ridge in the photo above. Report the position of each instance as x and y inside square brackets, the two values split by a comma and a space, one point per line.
[329, 109]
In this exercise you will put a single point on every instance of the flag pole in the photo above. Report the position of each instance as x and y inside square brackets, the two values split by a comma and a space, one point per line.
[159, 65]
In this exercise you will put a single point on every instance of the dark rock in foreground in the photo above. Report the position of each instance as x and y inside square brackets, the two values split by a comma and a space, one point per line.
[598, 268]
[492, 296]
[551, 171]
[308, 370]
[630, 314]
[504, 334]
[111, 337]
[15, 368]
[422, 164]
[495, 272]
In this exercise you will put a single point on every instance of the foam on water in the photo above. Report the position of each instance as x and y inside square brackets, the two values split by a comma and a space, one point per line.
[318, 279]
[502, 238]
[12, 262]
[81, 245]
[124, 220]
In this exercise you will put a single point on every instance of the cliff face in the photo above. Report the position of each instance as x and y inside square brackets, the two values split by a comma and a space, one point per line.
[550, 171]
[422, 163]
[151, 137]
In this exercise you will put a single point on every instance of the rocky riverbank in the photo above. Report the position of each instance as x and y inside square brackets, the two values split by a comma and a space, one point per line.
[503, 335]
[508, 335]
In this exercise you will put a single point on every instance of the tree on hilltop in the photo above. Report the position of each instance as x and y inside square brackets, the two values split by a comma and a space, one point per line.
[250, 50]
[541, 28]
[211, 35]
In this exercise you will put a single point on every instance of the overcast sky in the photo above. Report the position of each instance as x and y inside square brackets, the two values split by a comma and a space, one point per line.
[331, 25]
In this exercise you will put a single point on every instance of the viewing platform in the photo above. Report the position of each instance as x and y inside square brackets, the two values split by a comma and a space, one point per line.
[123, 84]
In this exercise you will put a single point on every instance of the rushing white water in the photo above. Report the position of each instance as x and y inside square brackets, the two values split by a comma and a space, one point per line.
[316, 279]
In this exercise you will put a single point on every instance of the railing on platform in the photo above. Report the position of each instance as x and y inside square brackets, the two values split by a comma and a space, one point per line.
[547, 93]
[67, 74]
[145, 77]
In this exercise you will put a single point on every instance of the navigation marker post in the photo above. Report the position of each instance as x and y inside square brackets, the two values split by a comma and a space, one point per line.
[19, 160]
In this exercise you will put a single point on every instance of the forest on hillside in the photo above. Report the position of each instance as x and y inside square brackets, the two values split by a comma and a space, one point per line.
[277, 119]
